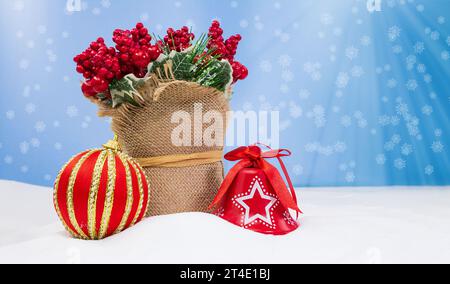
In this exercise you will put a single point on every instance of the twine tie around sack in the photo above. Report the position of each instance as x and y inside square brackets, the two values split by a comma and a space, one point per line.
[182, 161]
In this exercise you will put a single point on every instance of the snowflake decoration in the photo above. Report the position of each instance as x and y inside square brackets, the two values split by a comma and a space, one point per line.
[72, 111]
[105, 3]
[394, 33]
[319, 111]
[265, 66]
[419, 47]
[10, 114]
[395, 120]
[284, 88]
[295, 111]
[340, 147]
[342, 80]
[35, 142]
[437, 147]
[8, 160]
[24, 147]
[438, 132]
[380, 159]
[313, 69]
[392, 83]
[407, 149]
[30, 108]
[362, 123]
[384, 120]
[40, 126]
[357, 71]
[298, 170]
[396, 139]
[326, 19]
[389, 146]
[350, 177]
[397, 49]
[412, 85]
[346, 121]
[326, 151]
[287, 76]
[24, 169]
[366, 40]
[352, 52]
[400, 164]
[427, 110]
[304, 94]
[435, 35]
[311, 147]
[58, 146]
[421, 68]
[24, 64]
[429, 170]
[411, 60]
[18, 5]
[285, 61]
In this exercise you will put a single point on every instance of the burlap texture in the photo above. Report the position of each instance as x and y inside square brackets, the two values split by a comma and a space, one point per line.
[146, 131]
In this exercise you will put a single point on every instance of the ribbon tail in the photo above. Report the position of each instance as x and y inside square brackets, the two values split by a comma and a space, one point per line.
[291, 186]
[228, 181]
[279, 186]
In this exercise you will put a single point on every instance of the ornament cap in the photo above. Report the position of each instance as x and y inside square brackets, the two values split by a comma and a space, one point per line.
[113, 144]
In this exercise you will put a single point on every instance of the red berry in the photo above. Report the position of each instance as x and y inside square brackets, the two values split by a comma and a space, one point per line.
[80, 69]
[244, 73]
[87, 90]
[178, 40]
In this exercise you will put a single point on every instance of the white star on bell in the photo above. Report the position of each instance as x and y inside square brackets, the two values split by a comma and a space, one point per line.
[248, 220]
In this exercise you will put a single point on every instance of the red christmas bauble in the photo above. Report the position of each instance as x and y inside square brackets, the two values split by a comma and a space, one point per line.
[252, 203]
[99, 193]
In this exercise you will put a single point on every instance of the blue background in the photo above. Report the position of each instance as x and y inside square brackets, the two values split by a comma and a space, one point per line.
[364, 97]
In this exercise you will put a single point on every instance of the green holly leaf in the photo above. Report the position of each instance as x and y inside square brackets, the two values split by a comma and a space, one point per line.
[125, 90]
[157, 67]
[182, 66]
[218, 74]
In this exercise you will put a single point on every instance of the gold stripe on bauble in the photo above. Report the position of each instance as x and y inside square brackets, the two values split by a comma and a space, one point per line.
[93, 194]
[55, 198]
[70, 189]
[147, 208]
[141, 193]
[130, 200]
[109, 200]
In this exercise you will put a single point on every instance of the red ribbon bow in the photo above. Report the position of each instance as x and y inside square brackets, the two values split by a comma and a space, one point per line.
[253, 157]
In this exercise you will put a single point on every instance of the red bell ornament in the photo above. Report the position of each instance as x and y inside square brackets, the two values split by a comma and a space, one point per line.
[254, 195]
[99, 193]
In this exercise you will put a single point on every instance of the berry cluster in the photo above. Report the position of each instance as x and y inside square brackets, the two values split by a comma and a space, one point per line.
[240, 72]
[99, 66]
[135, 50]
[179, 40]
[226, 50]
[216, 42]
[231, 45]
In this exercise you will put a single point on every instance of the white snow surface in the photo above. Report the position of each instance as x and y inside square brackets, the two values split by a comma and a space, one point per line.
[340, 225]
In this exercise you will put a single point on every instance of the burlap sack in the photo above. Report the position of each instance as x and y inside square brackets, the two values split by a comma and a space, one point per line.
[145, 132]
